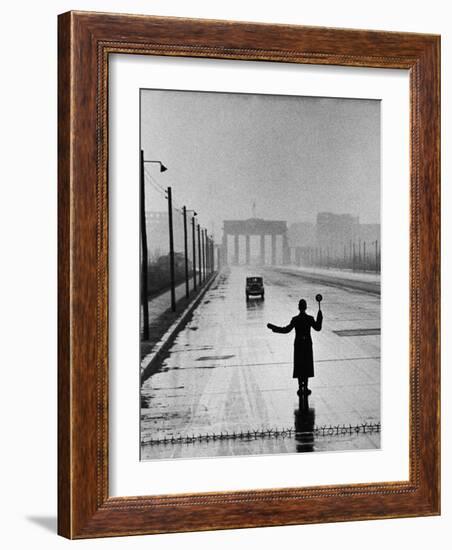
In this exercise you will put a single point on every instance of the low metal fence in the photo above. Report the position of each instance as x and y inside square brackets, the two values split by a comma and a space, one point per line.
[270, 433]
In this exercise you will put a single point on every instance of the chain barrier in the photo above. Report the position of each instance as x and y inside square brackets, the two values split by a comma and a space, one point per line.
[274, 433]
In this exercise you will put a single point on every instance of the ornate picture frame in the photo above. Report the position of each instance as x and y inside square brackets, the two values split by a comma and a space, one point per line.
[86, 40]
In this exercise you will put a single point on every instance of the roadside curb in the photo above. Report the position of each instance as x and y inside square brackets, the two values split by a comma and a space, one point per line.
[354, 284]
[148, 365]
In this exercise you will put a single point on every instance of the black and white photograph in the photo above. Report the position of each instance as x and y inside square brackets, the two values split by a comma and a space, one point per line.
[260, 274]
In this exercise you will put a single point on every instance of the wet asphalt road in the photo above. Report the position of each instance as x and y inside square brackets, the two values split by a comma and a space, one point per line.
[226, 372]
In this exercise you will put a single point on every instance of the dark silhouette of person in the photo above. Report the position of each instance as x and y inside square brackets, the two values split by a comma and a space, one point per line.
[303, 359]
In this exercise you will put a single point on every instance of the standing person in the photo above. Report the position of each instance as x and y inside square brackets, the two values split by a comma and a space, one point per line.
[303, 359]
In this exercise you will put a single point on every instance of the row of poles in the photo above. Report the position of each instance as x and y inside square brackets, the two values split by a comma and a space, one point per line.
[357, 256]
[203, 254]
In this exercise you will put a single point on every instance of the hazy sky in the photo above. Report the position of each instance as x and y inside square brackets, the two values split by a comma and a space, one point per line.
[292, 156]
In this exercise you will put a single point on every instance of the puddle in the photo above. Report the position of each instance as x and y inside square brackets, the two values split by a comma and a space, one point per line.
[358, 332]
[214, 357]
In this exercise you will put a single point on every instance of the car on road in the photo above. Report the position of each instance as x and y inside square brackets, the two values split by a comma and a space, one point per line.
[254, 287]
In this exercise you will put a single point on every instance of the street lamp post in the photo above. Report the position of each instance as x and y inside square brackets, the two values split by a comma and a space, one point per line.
[171, 250]
[185, 211]
[212, 257]
[204, 255]
[208, 254]
[144, 254]
[203, 249]
[144, 244]
[193, 231]
[212, 254]
[187, 290]
[199, 254]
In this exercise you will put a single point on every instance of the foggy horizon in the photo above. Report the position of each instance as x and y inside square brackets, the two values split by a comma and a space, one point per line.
[291, 156]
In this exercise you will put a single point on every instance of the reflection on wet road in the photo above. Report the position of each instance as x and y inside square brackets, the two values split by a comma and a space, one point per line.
[227, 373]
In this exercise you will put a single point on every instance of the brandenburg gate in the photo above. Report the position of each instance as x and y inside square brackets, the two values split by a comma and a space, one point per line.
[255, 227]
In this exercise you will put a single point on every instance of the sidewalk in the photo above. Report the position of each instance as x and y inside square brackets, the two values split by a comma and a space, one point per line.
[165, 323]
[367, 282]
[162, 302]
[161, 316]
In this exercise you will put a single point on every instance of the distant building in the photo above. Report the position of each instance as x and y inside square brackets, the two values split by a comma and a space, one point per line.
[336, 240]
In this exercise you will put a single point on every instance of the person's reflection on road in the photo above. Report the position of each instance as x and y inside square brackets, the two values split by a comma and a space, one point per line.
[304, 425]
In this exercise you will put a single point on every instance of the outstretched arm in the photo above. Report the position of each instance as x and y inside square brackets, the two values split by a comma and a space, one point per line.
[317, 324]
[282, 330]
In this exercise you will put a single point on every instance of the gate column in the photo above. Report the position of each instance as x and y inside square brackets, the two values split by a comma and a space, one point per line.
[236, 249]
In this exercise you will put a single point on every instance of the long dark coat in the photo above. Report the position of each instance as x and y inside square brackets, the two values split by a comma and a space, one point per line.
[303, 358]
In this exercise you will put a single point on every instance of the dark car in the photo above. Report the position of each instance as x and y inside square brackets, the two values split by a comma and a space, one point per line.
[254, 287]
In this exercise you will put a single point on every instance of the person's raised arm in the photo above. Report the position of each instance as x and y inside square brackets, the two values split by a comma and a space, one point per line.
[282, 330]
[317, 324]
